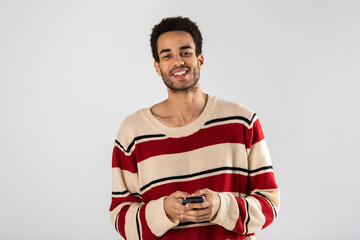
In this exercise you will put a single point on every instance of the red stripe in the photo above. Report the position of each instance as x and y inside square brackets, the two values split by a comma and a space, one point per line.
[262, 181]
[226, 133]
[146, 233]
[122, 161]
[202, 138]
[203, 232]
[115, 201]
[239, 226]
[121, 220]
[115, 157]
[229, 182]
[254, 134]
[220, 183]
[258, 134]
[267, 210]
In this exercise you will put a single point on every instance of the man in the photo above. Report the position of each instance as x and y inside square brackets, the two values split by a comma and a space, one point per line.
[191, 144]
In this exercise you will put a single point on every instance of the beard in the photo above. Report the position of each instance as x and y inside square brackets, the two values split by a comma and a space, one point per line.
[190, 87]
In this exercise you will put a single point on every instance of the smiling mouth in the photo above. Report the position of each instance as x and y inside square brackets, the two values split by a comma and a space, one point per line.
[180, 73]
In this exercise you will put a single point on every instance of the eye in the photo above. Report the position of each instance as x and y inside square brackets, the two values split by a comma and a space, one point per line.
[166, 57]
[186, 53]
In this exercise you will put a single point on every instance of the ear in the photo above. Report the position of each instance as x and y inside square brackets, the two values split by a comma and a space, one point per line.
[201, 60]
[157, 67]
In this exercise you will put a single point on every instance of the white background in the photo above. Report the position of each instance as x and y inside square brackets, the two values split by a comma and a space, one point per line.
[71, 71]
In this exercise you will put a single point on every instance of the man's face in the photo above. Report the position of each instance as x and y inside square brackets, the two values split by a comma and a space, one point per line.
[179, 66]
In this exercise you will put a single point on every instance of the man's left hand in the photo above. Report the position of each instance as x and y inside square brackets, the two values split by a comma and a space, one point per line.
[205, 211]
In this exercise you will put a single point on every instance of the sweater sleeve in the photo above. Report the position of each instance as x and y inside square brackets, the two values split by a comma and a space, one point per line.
[260, 205]
[131, 217]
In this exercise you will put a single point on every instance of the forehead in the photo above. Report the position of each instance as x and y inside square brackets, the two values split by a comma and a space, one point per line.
[174, 40]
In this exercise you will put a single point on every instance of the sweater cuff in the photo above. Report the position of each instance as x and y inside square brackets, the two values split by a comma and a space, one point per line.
[157, 219]
[228, 212]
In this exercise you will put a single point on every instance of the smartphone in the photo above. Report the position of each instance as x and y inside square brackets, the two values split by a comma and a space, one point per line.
[192, 200]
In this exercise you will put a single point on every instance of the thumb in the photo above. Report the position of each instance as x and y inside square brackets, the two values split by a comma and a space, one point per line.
[200, 192]
[180, 194]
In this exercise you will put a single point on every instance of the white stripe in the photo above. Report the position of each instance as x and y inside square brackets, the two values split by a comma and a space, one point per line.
[257, 218]
[259, 155]
[190, 179]
[115, 211]
[261, 172]
[130, 151]
[130, 222]
[123, 180]
[195, 161]
[232, 121]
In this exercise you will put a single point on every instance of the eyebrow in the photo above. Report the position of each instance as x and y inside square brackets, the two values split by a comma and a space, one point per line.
[185, 47]
[168, 49]
[165, 50]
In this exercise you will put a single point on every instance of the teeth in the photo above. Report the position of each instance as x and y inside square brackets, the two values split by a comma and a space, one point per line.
[179, 73]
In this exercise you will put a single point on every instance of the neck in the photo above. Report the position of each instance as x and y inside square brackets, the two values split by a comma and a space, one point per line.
[181, 108]
[187, 105]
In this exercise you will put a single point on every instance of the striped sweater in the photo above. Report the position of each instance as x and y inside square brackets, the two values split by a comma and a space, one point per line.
[223, 149]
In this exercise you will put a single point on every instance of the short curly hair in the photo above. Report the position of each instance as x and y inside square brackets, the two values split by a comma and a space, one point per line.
[175, 24]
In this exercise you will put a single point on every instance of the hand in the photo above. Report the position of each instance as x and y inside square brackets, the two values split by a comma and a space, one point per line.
[173, 207]
[205, 211]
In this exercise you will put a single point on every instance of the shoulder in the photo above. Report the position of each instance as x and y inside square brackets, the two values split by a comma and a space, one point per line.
[133, 120]
[133, 126]
[227, 109]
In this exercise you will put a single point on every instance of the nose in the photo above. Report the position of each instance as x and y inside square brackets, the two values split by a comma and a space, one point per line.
[178, 60]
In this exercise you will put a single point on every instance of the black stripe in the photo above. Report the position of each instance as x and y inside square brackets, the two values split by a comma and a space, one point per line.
[190, 223]
[125, 192]
[272, 205]
[259, 169]
[116, 222]
[120, 193]
[137, 139]
[136, 195]
[248, 213]
[137, 223]
[232, 118]
[202, 173]
[120, 145]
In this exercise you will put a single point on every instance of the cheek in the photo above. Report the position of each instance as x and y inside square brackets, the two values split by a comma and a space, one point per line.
[158, 69]
[163, 68]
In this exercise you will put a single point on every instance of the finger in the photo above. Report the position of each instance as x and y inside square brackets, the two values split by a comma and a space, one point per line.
[196, 194]
[201, 192]
[198, 213]
[197, 216]
[190, 206]
[181, 207]
[203, 218]
[180, 194]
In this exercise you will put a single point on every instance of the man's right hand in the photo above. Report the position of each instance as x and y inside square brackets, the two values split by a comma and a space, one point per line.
[173, 207]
